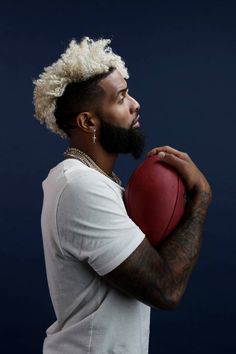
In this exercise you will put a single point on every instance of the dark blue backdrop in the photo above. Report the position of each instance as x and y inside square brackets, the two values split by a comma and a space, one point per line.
[181, 57]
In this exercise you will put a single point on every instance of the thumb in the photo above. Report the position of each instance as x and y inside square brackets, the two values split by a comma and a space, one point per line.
[170, 159]
[174, 161]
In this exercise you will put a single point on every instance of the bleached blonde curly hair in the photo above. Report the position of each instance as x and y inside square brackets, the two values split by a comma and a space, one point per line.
[79, 62]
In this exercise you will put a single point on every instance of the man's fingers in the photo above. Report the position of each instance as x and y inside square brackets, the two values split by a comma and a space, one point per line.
[165, 148]
[179, 160]
[180, 165]
[170, 150]
[171, 159]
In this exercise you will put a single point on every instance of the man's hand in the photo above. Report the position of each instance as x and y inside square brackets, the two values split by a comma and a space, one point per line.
[194, 180]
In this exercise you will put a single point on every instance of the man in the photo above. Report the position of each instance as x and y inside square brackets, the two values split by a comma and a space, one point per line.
[102, 272]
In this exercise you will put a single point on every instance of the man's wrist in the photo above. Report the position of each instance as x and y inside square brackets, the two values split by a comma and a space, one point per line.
[198, 201]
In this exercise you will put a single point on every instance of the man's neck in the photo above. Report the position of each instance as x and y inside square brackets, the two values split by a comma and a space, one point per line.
[102, 158]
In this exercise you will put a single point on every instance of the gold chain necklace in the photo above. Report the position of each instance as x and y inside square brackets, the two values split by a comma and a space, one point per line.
[80, 155]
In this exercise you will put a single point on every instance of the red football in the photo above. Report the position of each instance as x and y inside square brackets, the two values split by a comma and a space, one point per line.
[155, 199]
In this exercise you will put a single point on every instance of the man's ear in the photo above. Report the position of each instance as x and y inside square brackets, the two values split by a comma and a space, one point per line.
[86, 122]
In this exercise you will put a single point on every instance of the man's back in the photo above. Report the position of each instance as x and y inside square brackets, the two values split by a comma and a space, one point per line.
[87, 234]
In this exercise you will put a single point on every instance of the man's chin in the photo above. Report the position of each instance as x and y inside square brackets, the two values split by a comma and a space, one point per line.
[117, 140]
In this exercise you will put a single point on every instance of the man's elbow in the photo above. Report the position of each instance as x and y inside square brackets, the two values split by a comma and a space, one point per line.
[170, 303]
[173, 305]
[167, 306]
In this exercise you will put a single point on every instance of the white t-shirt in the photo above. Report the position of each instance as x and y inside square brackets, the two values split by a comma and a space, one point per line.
[86, 234]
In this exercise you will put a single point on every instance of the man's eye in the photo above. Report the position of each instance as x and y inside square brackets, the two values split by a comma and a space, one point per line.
[122, 99]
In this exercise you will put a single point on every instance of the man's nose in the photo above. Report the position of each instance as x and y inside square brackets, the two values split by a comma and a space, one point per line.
[135, 106]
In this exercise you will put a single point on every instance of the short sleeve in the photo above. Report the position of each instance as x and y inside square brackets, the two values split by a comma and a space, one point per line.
[93, 224]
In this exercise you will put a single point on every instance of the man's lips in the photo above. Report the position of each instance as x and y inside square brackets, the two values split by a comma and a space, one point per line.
[136, 122]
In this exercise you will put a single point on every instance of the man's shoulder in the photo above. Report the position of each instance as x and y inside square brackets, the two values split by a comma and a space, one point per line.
[73, 178]
[80, 177]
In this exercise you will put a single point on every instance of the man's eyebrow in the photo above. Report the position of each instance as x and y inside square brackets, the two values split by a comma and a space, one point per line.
[122, 90]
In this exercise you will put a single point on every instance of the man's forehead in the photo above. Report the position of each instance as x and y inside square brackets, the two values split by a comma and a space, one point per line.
[113, 83]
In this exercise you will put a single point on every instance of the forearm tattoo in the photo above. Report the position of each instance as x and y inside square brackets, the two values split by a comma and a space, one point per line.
[181, 249]
[159, 277]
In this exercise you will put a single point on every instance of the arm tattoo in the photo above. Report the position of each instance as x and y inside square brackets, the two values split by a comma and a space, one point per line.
[159, 278]
[181, 249]
[143, 275]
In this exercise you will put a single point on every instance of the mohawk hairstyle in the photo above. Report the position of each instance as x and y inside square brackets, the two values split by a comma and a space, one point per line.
[80, 62]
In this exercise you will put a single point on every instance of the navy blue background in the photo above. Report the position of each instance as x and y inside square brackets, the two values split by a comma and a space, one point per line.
[181, 58]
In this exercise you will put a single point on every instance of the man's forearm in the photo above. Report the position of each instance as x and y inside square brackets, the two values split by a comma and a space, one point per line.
[181, 249]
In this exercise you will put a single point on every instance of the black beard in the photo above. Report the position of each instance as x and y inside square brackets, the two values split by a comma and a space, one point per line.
[118, 140]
